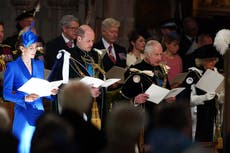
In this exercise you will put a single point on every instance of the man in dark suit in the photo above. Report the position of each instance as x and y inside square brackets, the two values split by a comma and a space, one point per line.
[69, 25]
[115, 54]
[188, 41]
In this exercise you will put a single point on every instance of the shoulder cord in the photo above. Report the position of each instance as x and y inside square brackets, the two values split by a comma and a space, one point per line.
[164, 71]
[77, 67]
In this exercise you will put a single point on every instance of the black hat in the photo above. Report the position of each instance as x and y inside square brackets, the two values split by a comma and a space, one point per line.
[135, 84]
[170, 23]
[207, 51]
[25, 14]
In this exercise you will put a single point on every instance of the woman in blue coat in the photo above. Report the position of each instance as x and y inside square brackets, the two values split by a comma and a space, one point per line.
[28, 107]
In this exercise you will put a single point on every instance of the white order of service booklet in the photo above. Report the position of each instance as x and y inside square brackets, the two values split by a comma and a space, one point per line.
[211, 81]
[157, 93]
[39, 86]
[96, 82]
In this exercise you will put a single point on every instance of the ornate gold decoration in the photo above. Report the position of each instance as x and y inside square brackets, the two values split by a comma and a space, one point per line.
[95, 118]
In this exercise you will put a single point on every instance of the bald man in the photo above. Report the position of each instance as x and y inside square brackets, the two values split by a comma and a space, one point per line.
[84, 54]
[86, 62]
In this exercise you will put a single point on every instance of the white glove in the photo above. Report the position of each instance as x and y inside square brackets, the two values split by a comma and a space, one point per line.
[210, 96]
[199, 99]
[220, 97]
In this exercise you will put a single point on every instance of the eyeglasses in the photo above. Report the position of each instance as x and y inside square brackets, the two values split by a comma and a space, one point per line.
[72, 28]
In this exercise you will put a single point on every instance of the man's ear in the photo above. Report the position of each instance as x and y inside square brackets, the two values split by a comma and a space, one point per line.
[78, 38]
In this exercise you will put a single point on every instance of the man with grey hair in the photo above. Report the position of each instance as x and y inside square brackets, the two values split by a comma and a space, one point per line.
[115, 54]
[69, 25]
[141, 76]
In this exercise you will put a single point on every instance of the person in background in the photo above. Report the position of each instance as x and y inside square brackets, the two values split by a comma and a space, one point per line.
[206, 39]
[136, 48]
[202, 39]
[53, 134]
[1, 32]
[28, 107]
[5, 56]
[69, 25]
[76, 99]
[170, 56]
[167, 26]
[5, 50]
[23, 20]
[4, 119]
[188, 42]
[172, 132]
[115, 54]
[123, 128]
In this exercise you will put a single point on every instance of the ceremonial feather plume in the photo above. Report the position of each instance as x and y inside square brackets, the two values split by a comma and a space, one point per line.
[222, 40]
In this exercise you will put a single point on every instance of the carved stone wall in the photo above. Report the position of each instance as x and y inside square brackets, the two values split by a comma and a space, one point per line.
[51, 12]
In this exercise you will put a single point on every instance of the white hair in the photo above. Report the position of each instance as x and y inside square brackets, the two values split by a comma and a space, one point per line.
[151, 45]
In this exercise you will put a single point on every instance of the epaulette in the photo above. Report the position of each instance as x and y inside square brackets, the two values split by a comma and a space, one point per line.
[165, 68]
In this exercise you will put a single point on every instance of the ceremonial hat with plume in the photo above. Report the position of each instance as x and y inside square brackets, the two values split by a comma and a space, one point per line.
[222, 40]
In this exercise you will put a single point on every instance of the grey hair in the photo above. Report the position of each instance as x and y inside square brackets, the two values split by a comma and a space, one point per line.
[66, 19]
[109, 22]
[151, 45]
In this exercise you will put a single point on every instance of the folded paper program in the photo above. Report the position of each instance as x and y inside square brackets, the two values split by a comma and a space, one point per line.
[39, 86]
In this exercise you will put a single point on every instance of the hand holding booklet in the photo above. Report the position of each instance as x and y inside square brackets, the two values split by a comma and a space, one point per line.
[39, 86]
[95, 82]
[157, 93]
[211, 81]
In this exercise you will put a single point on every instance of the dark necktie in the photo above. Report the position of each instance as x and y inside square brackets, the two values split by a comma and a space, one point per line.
[69, 44]
[111, 56]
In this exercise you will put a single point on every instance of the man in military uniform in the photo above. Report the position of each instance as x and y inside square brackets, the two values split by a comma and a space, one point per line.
[24, 20]
[5, 55]
[83, 62]
[5, 50]
[139, 77]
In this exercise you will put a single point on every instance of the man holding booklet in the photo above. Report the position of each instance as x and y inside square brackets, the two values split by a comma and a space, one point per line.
[204, 102]
[83, 62]
[141, 76]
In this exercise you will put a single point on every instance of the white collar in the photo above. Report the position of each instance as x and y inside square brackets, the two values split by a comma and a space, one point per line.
[200, 71]
[106, 44]
[196, 69]
[65, 39]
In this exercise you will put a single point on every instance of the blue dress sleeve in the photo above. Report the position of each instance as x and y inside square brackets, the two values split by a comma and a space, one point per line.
[9, 93]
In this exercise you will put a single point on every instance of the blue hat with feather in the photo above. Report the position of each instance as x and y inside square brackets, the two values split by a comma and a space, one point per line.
[29, 37]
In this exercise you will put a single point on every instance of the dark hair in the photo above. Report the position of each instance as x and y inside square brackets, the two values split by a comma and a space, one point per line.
[134, 35]
[2, 23]
[170, 37]
[173, 116]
